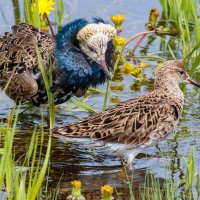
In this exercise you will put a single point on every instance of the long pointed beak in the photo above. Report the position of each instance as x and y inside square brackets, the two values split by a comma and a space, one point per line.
[193, 82]
[105, 69]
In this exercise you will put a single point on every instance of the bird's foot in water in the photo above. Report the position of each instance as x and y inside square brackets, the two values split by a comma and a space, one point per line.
[126, 166]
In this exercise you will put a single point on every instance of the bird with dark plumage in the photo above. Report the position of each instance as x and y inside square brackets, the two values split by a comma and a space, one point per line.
[81, 55]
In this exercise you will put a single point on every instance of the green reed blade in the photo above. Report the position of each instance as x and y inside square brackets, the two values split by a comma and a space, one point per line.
[48, 85]
[81, 104]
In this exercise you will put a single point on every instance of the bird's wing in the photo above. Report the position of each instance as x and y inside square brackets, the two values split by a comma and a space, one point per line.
[129, 123]
[19, 60]
[21, 86]
[17, 49]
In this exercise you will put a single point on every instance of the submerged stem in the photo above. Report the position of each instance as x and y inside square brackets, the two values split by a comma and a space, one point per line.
[137, 44]
[108, 83]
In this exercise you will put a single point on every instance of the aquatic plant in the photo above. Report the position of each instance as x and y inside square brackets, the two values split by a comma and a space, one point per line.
[138, 73]
[190, 173]
[120, 43]
[60, 13]
[153, 17]
[127, 68]
[22, 181]
[118, 21]
[76, 191]
[48, 85]
[184, 15]
[106, 192]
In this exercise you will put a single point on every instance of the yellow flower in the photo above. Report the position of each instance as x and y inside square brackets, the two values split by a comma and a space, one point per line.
[44, 7]
[127, 69]
[76, 184]
[119, 41]
[106, 192]
[154, 14]
[76, 191]
[137, 72]
[118, 20]
[106, 189]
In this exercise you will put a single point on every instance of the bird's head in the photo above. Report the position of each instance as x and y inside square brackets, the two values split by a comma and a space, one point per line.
[94, 39]
[173, 70]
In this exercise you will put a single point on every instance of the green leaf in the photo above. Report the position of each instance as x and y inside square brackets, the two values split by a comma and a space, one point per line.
[79, 103]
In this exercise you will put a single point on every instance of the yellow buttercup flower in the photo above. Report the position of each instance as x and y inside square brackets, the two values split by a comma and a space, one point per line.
[44, 7]
[119, 41]
[76, 184]
[76, 191]
[154, 14]
[106, 189]
[137, 72]
[127, 69]
[106, 192]
[118, 20]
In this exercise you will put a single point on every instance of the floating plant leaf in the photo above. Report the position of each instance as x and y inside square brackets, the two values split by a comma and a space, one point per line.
[115, 100]
[117, 87]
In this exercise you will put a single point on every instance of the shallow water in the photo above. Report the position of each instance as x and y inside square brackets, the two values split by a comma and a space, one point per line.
[73, 161]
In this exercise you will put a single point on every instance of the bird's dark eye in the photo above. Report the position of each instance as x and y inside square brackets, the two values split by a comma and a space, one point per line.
[181, 72]
[91, 49]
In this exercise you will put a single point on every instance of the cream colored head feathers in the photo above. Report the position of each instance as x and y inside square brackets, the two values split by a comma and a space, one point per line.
[91, 29]
[94, 39]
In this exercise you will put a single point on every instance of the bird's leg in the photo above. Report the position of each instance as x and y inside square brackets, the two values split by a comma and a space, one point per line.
[126, 166]
[126, 163]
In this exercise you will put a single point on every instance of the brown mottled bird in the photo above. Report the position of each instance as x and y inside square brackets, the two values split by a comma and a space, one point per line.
[134, 124]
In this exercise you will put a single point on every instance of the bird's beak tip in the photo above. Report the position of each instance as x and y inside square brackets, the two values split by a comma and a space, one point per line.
[193, 82]
[105, 69]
